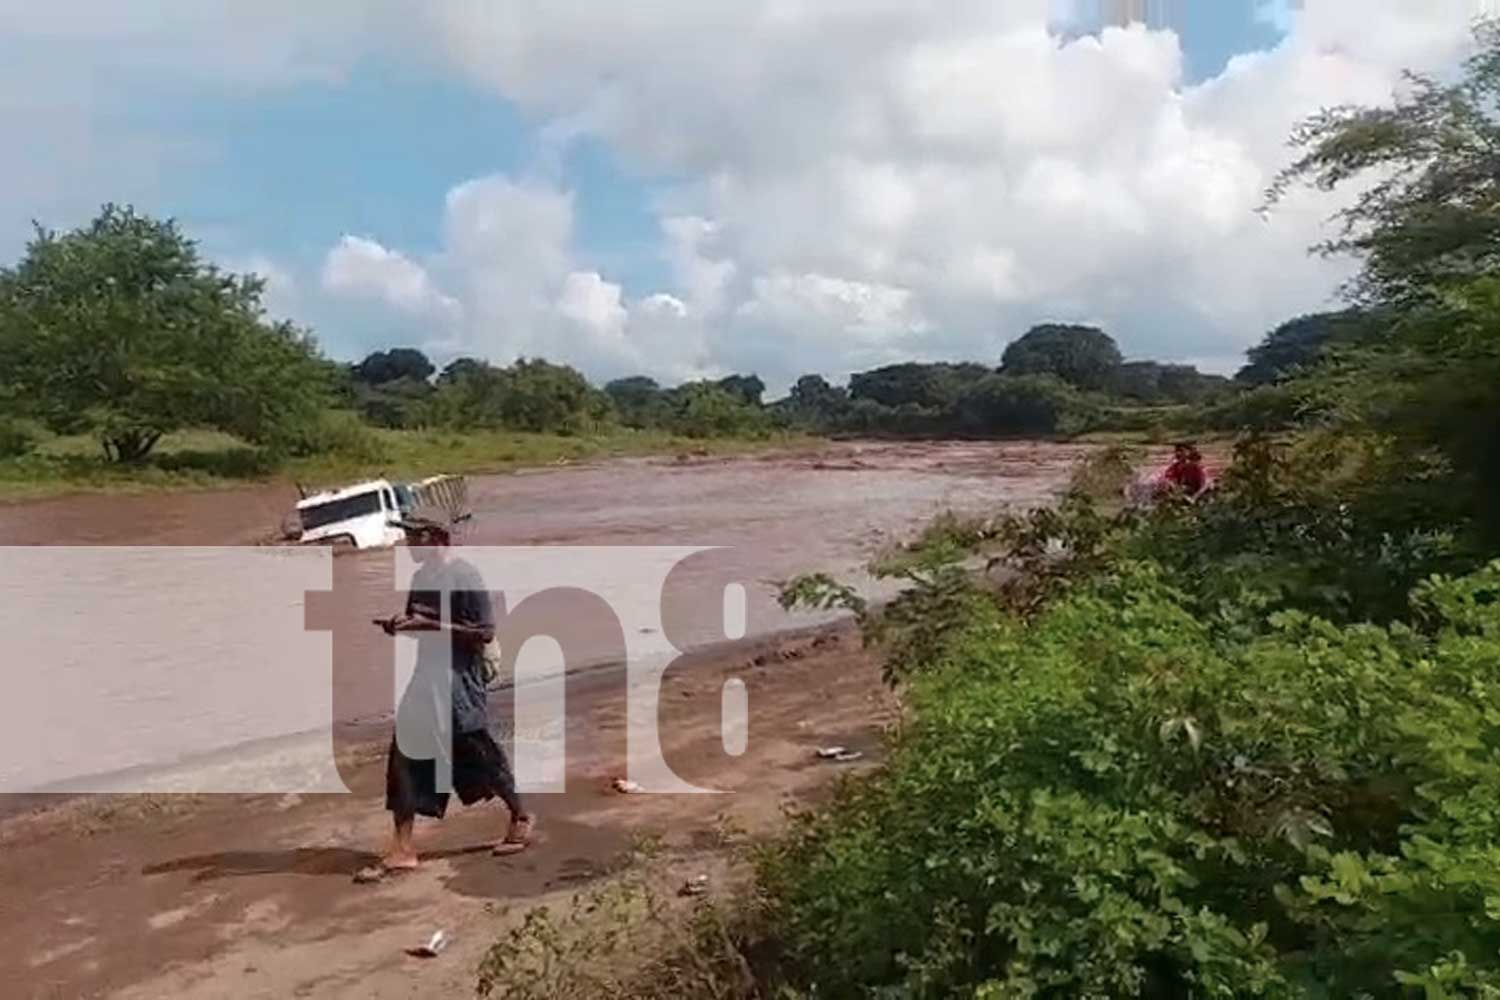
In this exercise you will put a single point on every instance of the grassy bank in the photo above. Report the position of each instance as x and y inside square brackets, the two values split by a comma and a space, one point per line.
[208, 460]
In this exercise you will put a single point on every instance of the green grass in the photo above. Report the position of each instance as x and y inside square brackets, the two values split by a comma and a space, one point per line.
[209, 459]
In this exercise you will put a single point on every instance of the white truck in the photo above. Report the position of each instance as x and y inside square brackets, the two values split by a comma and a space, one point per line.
[358, 515]
[361, 515]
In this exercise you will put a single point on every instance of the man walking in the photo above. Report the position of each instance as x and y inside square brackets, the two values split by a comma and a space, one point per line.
[442, 720]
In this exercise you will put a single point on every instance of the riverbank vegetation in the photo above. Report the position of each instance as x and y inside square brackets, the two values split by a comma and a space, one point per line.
[121, 335]
[1247, 746]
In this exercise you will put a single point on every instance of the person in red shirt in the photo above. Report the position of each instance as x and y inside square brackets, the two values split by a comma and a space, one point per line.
[1185, 474]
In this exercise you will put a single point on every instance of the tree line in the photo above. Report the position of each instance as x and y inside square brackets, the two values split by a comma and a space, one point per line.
[1053, 379]
[122, 330]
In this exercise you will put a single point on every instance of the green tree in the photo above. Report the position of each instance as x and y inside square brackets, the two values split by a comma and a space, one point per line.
[1001, 405]
[1296, 345]
[1427, 229]
[120, 328]
[749, 388]
[397, 363]
[400, 403]
[639, 400]
[703, 410]
[461, 368]
[1138, 380]
[1428, 222]
[537, 395]
[468, 394]
[931, 386]
[813, 401]
[1082, 356]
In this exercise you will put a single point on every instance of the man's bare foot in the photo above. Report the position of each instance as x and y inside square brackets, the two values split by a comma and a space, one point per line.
[391, 864]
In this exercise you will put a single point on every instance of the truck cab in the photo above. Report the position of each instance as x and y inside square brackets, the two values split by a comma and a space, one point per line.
[358, 515]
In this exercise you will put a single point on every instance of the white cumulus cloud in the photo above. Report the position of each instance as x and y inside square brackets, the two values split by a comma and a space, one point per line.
[864, 176]
[359, 267]
[837, 182]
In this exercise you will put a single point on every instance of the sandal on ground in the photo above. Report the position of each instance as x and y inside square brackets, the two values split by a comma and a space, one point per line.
[519, 836]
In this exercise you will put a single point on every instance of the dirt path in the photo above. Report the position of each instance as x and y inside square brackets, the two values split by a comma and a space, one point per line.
[252, 897]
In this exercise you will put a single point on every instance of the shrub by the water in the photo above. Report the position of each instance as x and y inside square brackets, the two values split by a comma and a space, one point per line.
[1108, 800]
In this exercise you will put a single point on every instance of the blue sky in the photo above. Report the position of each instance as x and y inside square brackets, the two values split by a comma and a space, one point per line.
[700, 186]
[374, 155]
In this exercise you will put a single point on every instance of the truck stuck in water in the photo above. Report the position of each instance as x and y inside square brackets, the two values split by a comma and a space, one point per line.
[360, 516]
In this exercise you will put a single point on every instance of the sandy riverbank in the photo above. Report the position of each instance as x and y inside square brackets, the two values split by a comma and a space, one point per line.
[228, 896]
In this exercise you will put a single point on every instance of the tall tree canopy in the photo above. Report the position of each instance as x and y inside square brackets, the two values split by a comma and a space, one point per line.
[1296, 345]
[461, 368]
[638, 400]
[931, 386]
[812, 396]
[121, 329]
[1082, 356]
[747, 388]
[1429, 220]
[1428, 232]
[397, 363]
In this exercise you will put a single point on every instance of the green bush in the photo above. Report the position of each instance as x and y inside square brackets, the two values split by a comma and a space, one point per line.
[1264, 408]
[337, 433]
[228, 463]
[704, 410]
[1002, 405]
[1108, 801]
[17, 438]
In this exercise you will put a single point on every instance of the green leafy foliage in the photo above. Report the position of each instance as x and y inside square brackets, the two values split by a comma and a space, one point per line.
[17, 438]
[531, 395]
[392, 365]
[1154, 383]
[1424, 226]
[119, 328]
[1164, 752]
[1082, 356]
[1107, 799]
[639, 401]
[704, 410]
[746, 388]
[814, 401]
[401, 403]
[1428, 222]
[1299, 344]
[998, 405]
[929, 386]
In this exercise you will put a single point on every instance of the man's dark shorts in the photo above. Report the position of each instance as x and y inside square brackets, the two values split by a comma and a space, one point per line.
[480, 772]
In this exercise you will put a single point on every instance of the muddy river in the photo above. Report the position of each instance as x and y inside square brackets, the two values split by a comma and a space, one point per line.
[127, 660]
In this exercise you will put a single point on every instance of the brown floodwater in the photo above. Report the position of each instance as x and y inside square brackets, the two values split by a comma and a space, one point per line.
[773, 516]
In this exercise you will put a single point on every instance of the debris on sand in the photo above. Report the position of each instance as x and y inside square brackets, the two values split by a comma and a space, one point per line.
[695, 886]
[829, 753]
[433, 948]
[626, 787]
